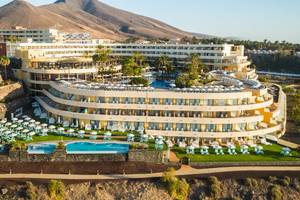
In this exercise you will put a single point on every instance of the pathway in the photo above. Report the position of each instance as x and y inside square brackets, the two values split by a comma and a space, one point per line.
[183, 171]
[288, 144]
[173, 157]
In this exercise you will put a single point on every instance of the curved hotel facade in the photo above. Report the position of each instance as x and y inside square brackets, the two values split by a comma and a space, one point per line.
[209, 112]
[236, 106]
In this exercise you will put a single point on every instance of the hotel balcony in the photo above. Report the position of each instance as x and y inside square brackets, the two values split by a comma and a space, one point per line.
[206, 108]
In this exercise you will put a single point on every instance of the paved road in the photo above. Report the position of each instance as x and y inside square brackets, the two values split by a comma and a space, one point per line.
[183, 171]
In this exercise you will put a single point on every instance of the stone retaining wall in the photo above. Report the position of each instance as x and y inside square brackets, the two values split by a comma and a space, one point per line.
[61, 155]
[3, 157]
[142, 155]
[95, 157]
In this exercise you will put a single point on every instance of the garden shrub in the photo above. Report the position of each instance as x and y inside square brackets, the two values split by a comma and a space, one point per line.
[31, 192]
[275, 193]
[213, 180]
[138, 81]
[285, 181]
[215, 187]
[178, 189]
[56, 190]
[251, 182]
[215, 190]
[18, 146]
[288, 179]
[182, 190]
[272, 178]
[60, 145]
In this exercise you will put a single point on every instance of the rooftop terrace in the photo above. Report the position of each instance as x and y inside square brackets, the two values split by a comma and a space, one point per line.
[79, 84]
[226, 82]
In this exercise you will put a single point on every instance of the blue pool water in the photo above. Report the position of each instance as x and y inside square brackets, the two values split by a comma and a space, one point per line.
[160, 84]
[96, 148]
[41, 148]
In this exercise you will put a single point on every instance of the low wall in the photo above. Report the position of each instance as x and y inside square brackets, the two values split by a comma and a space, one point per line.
[3, 157]
[232, 164]
[95, 157]
[142, 155]
[61, 155]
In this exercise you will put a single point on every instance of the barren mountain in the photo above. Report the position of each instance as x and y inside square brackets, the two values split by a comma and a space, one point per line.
[90, 16]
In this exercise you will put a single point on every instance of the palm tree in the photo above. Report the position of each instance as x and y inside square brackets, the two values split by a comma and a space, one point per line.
[196, 62]
[163, 62]
[169, 69]
[195, 66]
[139, 58]
[4, 62]
[102, 55]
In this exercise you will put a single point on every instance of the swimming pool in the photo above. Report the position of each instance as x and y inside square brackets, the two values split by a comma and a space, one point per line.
[41, 148]
[160, 84]
[96, 148]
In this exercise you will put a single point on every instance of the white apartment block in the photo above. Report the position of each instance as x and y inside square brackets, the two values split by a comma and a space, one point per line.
[215, 56]
[36, 35]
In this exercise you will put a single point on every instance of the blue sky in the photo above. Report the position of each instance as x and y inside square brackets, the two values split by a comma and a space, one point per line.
[248, 19]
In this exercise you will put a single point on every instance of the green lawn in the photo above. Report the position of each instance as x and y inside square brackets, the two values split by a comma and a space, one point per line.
[271, 153]
[51, 137]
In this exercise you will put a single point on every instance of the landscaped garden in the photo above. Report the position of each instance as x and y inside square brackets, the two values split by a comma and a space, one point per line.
[271, 153]
[19, 132]
[29, 130]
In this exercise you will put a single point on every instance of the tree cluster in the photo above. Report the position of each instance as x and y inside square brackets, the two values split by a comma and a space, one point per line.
[139, 81]
[165, 66]
[133, 65]
[249, 44]
[280, 62]
[295, 115]
[102, 56]
[178, 189]
[194, 69]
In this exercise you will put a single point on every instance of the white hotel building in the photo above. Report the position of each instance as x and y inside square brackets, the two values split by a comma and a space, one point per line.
[36, 35]
[235, 107]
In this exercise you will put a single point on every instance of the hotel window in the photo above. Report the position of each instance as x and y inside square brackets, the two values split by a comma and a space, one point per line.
[141, 100]
[168, 101]
[180, 127]
[195, 127]
[180, 102]
[168, 126]
[127, 100]
[222, 102]
[211, 127]
[210, 102]
[227, 127]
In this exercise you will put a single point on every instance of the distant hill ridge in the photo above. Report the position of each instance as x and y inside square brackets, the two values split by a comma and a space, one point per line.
[92, 16]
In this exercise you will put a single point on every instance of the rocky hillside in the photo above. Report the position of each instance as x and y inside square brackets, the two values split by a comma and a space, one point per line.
[283, 188]
[91, 16]
[12, 96]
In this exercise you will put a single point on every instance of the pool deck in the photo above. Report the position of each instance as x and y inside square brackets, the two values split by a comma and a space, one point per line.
[123, 150]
